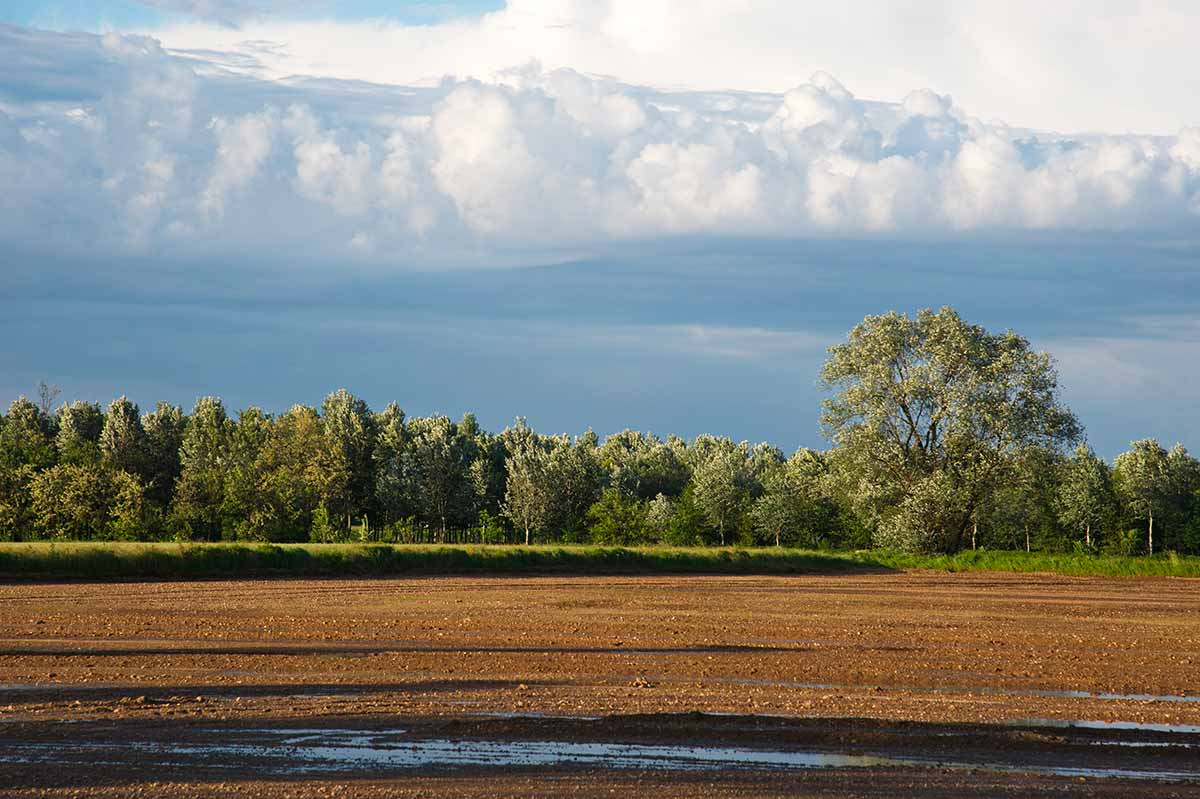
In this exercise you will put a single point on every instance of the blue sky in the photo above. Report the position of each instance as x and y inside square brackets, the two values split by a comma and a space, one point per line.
[104, 15]
[561, 211]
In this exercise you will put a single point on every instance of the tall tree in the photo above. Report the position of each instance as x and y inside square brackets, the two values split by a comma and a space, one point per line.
[16, 505]
[78, 437]
[71, 502]
[437, 471]
[551, 482]
[27, 436]
[617, 519]
[723, 483]
[930, 412]
[575, 480]
[1143, 482]
[122, 440]
[200, 492]
[164, 428]
[389, 492]
[795, 506]
[1183, 483]
[640, 465]
[350, 437]
[1085, 499]
[528, 495]
[292, 478]
[241, 509]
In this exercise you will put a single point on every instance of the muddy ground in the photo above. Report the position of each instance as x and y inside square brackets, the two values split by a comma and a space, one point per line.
[880, 684]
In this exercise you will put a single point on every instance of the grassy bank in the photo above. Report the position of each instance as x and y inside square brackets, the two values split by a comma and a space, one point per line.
[110, 561]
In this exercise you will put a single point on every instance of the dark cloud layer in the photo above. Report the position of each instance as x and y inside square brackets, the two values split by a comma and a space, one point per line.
[696, 336]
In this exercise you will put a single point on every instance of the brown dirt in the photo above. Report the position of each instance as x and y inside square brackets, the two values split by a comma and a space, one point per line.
[941, 649]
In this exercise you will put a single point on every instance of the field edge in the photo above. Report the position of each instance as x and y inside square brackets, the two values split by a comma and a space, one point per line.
[121, 560]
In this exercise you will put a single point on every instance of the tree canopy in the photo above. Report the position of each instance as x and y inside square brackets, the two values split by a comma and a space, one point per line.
[930, 415]
[944, 435]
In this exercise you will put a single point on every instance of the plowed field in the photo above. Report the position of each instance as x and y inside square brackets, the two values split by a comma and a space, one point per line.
[869, 684]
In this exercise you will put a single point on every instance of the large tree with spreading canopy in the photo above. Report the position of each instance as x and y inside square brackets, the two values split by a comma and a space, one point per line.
[930, 414]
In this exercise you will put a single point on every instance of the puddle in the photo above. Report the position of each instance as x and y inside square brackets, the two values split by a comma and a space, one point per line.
[534, 716]
[1083, 724]
[301, 751]
[1146, 744]
[1090, 695]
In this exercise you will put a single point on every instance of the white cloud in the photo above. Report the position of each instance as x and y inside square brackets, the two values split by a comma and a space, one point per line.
[242, 145]
[152, 155]
[1066, 65]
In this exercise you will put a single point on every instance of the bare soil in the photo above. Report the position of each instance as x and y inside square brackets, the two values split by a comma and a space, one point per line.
[944, 668]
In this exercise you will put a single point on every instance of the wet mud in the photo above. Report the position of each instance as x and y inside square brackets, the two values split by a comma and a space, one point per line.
[859, 685]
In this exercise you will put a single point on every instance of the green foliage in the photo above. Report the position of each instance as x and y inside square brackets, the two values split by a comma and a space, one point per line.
[122, 439]
[723, 484]
[70, 502]
[551, 484]
[944, 435]
[1142, 480]
[204, 460]
[349, 438]
[930, 415]
[437, 470]
[26, 436]
[321, 531]
[1125, 544]
[78, 437]
[796, 507]
[618, 520]
[17, 520]
[640, 465]
[291, 478]
[163, 438]
[1085, 501]
[687, 525]
[490, 529]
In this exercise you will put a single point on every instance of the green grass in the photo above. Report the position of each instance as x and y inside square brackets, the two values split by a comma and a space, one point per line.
[1167, 565]
[113, 561]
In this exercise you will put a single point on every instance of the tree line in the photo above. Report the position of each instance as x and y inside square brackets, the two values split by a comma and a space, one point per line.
[944, 436]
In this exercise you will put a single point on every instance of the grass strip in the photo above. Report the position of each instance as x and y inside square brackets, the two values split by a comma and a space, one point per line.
[122, 561]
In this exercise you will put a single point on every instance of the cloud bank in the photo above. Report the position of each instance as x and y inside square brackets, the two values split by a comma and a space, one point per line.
[112, 144]
[1070, 65]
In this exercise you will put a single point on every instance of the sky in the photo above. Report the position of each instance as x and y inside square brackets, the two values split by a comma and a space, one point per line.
[611, 214]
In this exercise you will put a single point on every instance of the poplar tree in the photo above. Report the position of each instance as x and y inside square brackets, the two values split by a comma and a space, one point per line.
[722, 483]
[204, 457]
[1085, 500]
[78, 437]
[122, 439]
[1143, 481]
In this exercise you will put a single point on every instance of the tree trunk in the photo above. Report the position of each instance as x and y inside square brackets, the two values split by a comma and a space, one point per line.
[1087, 535]
[527, 535]
[1150, 533]
[1027, 537]
[974, 534]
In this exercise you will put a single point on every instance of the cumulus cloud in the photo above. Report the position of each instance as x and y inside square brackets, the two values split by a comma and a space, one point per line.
[161, 156]
[1128, 63]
